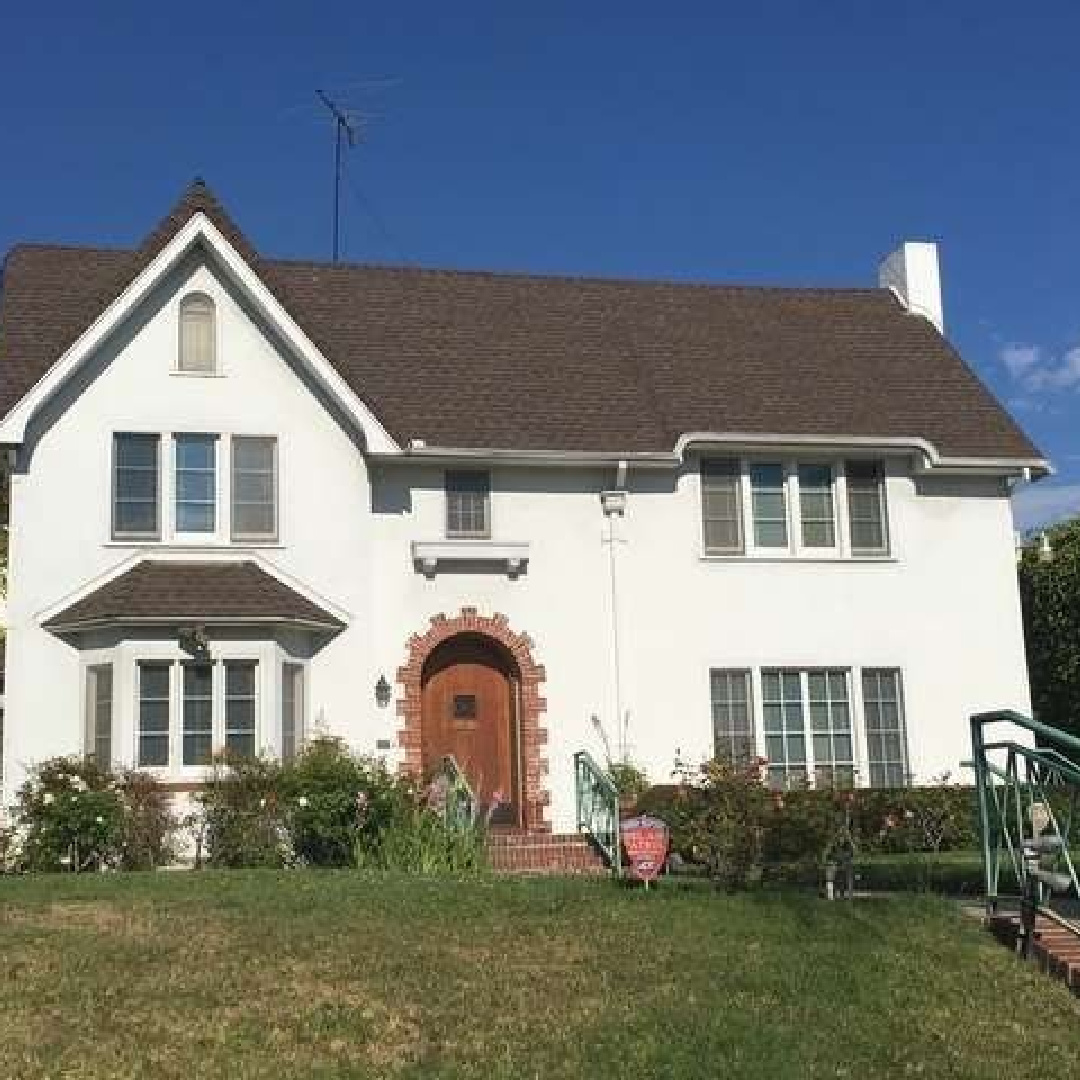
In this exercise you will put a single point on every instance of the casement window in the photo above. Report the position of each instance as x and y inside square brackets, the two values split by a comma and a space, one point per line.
[784, 725]
[816, 507]
[768, 494]
[721, 507]
[830, 728]
[195, 483]
[135, 486]
[154, 714]
[886, 737]
[788, 699]
[791, 508]
[198, 712]
[254, 487]
[468, 504]
[197, 335]
[292, 710]
[240, 703]
[867, 517]
[99, 714]
[732, 716]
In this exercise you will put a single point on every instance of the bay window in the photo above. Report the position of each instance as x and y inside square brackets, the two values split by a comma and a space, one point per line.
[99, 714]
[198, 714]
[154, 714]
[292, 710]
[240, 706]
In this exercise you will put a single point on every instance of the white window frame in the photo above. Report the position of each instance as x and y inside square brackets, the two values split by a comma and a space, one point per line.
[747, 676]
[186, 301]
[114, 532]
[883, 497]
[248, 539]
[795, 549]
[465, 534]
[176, 659]
[90, 673]
[217, 533]
[299, 735]
[902, 731]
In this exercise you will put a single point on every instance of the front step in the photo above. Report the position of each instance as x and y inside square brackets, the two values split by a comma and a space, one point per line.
[1054, 948]
[543, 853]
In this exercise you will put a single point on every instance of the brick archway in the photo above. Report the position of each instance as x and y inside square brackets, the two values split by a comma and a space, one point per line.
[532, 735]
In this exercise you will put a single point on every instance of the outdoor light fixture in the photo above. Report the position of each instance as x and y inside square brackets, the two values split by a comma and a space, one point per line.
[192, 639]
[382, 692]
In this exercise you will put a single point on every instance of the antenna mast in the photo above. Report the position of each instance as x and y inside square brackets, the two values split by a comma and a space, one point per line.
[344, 128]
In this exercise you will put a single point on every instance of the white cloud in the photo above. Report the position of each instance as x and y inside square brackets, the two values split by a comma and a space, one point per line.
[1044, 503]
[1036, 372]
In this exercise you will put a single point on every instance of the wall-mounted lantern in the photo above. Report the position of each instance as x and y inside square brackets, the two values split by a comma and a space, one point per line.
[382, 692]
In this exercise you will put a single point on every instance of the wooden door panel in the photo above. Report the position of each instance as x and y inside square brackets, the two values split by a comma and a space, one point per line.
[467, 712]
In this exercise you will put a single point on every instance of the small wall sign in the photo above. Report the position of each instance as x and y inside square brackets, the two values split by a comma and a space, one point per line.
[645, 841]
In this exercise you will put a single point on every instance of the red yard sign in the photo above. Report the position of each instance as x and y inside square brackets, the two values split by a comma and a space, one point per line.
[645, 841]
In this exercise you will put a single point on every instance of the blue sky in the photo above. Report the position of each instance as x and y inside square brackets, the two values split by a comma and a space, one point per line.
[790, 143]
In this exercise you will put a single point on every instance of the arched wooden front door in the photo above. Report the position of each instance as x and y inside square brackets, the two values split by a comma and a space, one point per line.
[469, 710]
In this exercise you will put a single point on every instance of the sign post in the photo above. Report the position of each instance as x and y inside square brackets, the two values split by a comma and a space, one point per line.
[646, 842]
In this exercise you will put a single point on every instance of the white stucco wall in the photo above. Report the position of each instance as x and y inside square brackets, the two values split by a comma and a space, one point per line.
[944, 608]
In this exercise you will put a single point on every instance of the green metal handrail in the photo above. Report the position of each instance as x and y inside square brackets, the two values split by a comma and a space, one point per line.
[460, 800]
[1011, 779]
[598, 808]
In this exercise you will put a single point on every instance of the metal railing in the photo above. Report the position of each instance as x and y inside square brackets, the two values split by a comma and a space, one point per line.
[460, 800]
[598, 808]
[1028, 796]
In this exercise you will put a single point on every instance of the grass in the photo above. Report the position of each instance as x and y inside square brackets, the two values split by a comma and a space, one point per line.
[303, 974]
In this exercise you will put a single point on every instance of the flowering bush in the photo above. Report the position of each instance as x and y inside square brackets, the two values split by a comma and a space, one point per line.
[71, 813]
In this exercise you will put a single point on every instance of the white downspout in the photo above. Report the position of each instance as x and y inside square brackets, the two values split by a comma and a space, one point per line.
[613, 503]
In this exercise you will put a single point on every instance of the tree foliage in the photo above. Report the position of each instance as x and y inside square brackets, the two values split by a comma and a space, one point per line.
[1050, 593]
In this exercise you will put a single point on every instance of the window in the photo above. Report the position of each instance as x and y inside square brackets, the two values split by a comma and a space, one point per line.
[198, 346]
[468, 504]
[732, 716]
[135, 485]
[154, 715]
[240, 706]
[816, 506]
[254, 488]
[99, 709]
[866, 508]
[198, 713]
[830, 726]
[721, 507]
[785, 728]
[292, 710]
[886, 737]
[769, 501]
[196, 483]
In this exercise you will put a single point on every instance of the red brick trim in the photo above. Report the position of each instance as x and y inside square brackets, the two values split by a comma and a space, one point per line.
[531, 675]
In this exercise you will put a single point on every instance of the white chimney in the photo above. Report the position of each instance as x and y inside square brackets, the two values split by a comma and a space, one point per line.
[912, 271]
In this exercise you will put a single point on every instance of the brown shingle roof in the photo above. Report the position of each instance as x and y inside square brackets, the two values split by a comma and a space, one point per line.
[538, 363]
[219, 593]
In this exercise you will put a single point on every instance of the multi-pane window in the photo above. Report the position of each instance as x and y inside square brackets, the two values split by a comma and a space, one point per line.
[732, 716]
[254, 487]
[867, 519]
[468, 504]
[198, 344]
[196, 483]
[769, 501]
[153, 729]
[785, 727]
[292, 709]
[198, 713]
[135, 485]
[99, 713]
[816, 506]
[240, 706]
[721, 507]
[830, 727]
[886, 738]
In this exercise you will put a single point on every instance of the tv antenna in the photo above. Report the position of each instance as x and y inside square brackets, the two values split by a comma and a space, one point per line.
[346, 129]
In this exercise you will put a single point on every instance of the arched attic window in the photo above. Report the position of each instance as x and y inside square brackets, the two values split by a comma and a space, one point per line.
[198, 335]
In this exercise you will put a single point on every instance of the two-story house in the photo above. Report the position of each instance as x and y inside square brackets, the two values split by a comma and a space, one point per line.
[496, 516]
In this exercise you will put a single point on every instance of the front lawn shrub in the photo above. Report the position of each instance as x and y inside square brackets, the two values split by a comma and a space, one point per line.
[71, 816]
[148, 827]
[241, 819]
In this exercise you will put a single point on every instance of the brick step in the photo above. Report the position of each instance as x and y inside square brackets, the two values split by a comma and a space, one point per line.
[540, 853]
[1055, 949]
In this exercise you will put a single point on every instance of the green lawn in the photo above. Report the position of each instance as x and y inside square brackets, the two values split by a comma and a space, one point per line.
[337, 974]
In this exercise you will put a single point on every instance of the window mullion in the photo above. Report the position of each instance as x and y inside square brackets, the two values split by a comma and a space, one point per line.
[793, 507]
